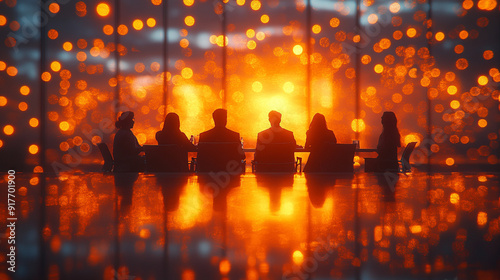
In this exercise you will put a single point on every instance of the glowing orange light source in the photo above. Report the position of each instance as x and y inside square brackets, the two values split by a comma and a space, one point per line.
[482, 218]
[297, 49]
[454, 197]
[358, 125]
[264, 18]
[372, 19]
[54, 8]
[103, 9]
[23, 106]
[3, 101]
[411, 32]
[8, 129]
[224, 267]
[151, 22]
[137, 24]
[24, 90]
[482, 80]
[298, 257]
[450, 161]
[482, 123]
[67, 46]
[189, 20]
[64, 126]
[55, 66]
[33, 122]
[394, 7]
[439, 36]
[33, 149]
[316, 28]
[3, 20]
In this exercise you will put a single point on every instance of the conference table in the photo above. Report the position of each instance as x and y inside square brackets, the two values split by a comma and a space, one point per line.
[303, 150]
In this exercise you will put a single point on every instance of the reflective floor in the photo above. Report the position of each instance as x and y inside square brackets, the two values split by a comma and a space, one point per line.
[348, 226]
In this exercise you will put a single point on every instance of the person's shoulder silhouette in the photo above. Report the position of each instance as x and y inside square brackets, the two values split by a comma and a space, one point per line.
[171, 133]
[219, 133]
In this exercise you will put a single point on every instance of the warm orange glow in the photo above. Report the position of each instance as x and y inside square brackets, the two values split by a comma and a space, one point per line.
[316, 28]
[334, 22]
[487, 5]
[55, 66]
[8, 129]
[67, 46]
[184, 43]
[394, 7]
[33, 149]
[151, 22]
[416, 229]
[251, 44]
[452, 90]
[455, 104]
[454, 197]
[187, 73]
[46, 76]
[3, 101]
[257, 86]
[450, 161]
[297, 49]
[53, 34]
[64, 126]
[81, 56]
[255, 5]
[54, 8]
[122, 29]
[297, 257]
[411, 32]
[439, 36]
[264, 18]
[482, 218]
[288, 87]
[488, 54]
[468, 4]
[11, 71]
[188, 3]
[23, 106]
[463, 34]
[372, 19]
[378, 68]
[3, 65]
[189, 20]
[24, 90]
[462, 63]
[459, 49]
[3, 20]
[107, 29]
[250, 33]
[137, 24]
[411, 138]
[482, 123]
[358, 125]
[224, 267]
[103, 9]
[482, 80]
[33, 122]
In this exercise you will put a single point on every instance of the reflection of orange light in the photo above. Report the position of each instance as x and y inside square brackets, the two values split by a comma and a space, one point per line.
[102, 9]
[297, 257]
[450, 161]
[482, 218]
[224, 267]
[358, 125]
[454, 197]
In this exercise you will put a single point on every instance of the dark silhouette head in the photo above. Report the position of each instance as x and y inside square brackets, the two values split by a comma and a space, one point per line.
[220, 117]
[275, 118]
[318, 123]
[172, 122]
[125, 121]
[389, 121]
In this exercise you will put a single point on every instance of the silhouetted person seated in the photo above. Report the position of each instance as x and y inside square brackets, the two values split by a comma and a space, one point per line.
[176, 153]
[387, 147]
[126, 148]
[275, 147]
[319, 137]
[219, 149]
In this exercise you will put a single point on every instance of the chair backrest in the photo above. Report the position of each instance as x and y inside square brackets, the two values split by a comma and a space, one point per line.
[106, 155]
[339, 158]
[165, 158]
[275, 157]
[405, 157]
[215, 156]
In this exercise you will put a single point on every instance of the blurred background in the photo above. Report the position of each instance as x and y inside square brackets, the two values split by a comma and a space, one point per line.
[68, 68]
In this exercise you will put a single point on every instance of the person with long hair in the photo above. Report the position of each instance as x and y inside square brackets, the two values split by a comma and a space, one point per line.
[172, 135]
[126, 148]
[318, 137]
[387, 148]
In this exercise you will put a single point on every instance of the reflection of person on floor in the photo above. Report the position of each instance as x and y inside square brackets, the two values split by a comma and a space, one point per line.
[387, 147]
[318, 137]
[126, 148]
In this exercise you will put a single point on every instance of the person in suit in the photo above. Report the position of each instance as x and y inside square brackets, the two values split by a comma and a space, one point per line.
[218, 160]
[317, 140]
[387, 147]
[275, 145]
[172, 135]
[126, 148]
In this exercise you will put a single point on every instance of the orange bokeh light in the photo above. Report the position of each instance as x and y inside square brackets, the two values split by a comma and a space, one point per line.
[103, 9]
[8, 129]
